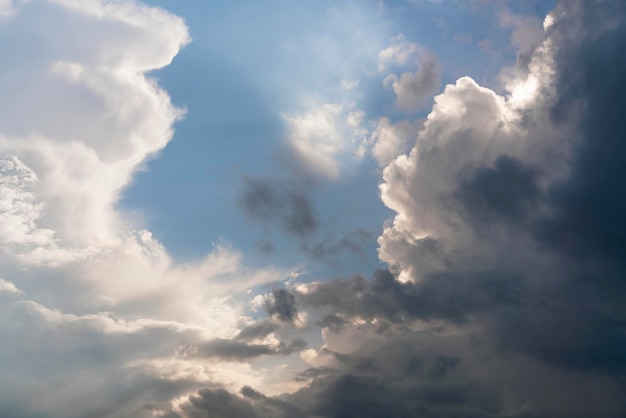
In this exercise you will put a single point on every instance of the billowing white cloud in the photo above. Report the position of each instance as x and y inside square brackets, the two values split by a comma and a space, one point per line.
[96, 310]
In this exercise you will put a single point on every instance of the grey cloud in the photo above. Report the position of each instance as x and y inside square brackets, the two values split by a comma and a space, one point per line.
[314, 372]
[452, 296]
[332, 321]
[219, 403]
[257, 330]
[508, 190]
[288, 206]
[414, 89]
[281, 203]
[281, 304]
[240, 351]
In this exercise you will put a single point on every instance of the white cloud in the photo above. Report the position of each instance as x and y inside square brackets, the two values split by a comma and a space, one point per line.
[8, 287]
[322, 137]
[104, 306]
[400, 53]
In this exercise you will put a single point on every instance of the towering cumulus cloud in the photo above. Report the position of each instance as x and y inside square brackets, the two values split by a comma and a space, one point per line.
[505, 292]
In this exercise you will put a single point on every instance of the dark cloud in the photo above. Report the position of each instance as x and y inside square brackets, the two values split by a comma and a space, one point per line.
[287, 205]
[281, 304]
[257, 330]
[332, 321]
[219, 403]
[240, 351]
[508, 191]
[452, 296]
[590, 207]
[313, 373]
[281, 203]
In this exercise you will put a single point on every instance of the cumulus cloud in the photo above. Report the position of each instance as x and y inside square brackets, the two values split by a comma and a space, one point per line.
[504, 295]
[93, 301]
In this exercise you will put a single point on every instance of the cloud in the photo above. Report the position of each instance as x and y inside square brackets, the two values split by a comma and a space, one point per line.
[8, 287]
[391, 140]
[257, 330]
[287, 206]
[96, 308]
[281, 304]
[504, 294]
[321, 138]
[279, 202]
[222, 404]
[400, 53]
[238, 351]
[412, 89]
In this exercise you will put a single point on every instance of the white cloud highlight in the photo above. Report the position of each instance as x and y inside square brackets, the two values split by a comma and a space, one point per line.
[104, 301]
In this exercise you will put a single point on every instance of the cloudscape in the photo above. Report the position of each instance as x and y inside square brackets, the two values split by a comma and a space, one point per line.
[316, 209]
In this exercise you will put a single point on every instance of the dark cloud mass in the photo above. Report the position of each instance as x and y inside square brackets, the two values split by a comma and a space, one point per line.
[282, 304]
[508, 190]
[513, 270]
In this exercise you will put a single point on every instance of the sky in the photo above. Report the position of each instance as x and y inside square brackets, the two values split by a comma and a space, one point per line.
[316, 209]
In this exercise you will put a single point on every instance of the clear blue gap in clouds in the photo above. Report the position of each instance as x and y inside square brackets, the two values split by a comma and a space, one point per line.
[248, 62]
